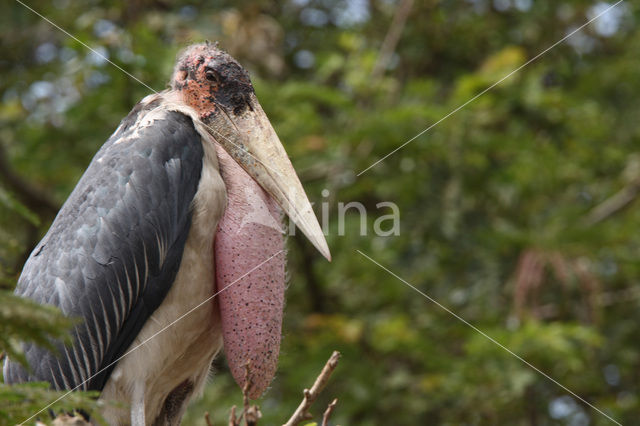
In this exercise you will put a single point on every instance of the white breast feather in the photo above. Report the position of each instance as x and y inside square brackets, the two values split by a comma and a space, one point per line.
[197, 336]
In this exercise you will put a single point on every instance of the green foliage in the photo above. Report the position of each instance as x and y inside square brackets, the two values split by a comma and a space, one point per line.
[501, 203]
[21, 402]
[22, 319]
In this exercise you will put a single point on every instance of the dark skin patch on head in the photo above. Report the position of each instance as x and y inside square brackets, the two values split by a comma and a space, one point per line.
[210, 78]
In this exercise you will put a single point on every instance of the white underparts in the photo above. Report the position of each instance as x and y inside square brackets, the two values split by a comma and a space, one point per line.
[137, 405]
[184, 350]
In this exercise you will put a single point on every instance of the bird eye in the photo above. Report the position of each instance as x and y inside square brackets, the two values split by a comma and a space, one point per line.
[211, 75]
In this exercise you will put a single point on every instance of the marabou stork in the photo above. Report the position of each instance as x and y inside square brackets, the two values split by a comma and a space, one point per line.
[179, 204]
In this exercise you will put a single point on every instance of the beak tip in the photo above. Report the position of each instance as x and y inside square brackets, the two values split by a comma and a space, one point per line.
[321, 245]
[323, 248]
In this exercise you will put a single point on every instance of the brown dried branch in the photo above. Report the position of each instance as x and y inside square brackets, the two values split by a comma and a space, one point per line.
[233, 421]
[310, 395]
[327, 413]
[392, 38]
[245, 390]
[250, 413]
[537, 269]
[613, 204]
[207, 419]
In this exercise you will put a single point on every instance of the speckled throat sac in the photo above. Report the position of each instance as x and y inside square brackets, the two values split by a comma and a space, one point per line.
[250, 276]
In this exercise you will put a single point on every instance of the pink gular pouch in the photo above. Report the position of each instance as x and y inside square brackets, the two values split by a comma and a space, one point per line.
[250, 276]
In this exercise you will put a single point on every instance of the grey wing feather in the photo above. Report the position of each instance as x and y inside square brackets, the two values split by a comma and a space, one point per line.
[113, 251]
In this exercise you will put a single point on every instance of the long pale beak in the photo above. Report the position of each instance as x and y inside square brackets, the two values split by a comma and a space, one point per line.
[250, 140]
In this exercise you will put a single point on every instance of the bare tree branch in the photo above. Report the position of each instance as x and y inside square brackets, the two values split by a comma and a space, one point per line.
[251, 413]
[310, 395]
[233, 421]
[245, 390]
[613, 204]
[327, 413]
[392, 38]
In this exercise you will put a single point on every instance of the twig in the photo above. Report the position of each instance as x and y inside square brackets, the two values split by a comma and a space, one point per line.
[310, 395]
[251, 413]
[613, 204]
[232, 417]
[391, 39]
[245, 390]
[328, 412]
[207, 419]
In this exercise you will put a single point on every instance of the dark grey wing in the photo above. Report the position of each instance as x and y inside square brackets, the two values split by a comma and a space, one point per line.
[113, 251]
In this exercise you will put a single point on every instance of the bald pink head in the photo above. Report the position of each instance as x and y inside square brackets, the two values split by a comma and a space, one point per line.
[210, 78]
[250, 289]
[259, 177]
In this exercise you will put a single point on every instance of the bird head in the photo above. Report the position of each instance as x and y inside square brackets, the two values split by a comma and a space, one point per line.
[219, 89]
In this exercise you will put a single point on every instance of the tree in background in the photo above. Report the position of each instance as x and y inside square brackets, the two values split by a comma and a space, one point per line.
[517, 212]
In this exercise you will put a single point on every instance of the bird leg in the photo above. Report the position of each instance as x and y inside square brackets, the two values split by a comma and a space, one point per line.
[137, 405]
